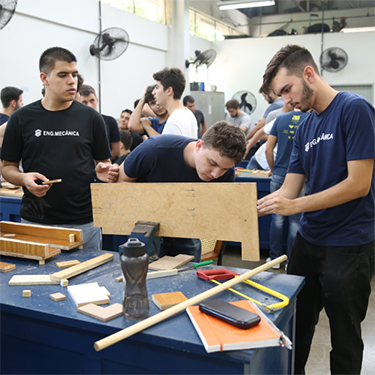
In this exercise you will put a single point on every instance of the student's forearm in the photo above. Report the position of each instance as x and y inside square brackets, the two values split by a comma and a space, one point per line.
[135, 118]
[270, 158]
[151, 132]
[12, 174]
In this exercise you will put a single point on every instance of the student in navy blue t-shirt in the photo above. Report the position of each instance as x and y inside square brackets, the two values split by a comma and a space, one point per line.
[175, 158]
[334, 149]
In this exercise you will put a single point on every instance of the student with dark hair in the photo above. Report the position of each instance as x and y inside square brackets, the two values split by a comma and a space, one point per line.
[236, 116]
[89, 98]
[57, 138]
[126, 142]
[189, 103]
[11, 99]
[174, 158]
[150, 126]
[334, 149]
[123, 124]
[169, 86]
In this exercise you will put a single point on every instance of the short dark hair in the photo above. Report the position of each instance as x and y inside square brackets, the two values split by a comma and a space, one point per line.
[126, 138]
[86, 90]
[227, 139]
[232, 104]
[292, 57]
[188, 99]
[172, 77]
[127, 111]
[51, 55]
[8, 94]
[149, 97]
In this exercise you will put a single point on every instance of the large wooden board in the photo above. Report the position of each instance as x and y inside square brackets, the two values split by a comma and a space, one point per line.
[56, 237]
[82, 267]
[222, 211]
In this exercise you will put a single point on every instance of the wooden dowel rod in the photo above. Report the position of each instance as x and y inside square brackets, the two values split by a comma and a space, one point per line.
[123, 334]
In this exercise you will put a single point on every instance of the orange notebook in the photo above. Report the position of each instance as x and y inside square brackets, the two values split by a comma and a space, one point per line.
[217, 335]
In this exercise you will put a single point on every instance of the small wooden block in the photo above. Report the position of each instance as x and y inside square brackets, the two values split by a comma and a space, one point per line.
[57, 297]
[72, 237]
[68, 263]
[166, 300]
[26, 293]
[42, 262]
[31, 280]
[168, 263]
[6, 267]
[164, 273]
[102, 313]
[64, 282]
[119, 279]
[9, 235]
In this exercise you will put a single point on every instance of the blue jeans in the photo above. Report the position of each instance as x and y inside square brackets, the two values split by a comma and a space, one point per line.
[91, 235]
[278, 221]
[253, 164]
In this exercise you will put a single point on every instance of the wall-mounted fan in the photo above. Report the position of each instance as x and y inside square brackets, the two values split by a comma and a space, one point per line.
[7, 9]
[110, 44]
[247, 100]
[333, 59]
[202, 58]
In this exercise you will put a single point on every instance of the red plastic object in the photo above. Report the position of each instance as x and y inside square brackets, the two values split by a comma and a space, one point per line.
[218, 274]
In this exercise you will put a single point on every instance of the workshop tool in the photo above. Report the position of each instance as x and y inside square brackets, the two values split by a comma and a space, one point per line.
[223, 273]
[145, 232]
[196, 265]
[135, 328]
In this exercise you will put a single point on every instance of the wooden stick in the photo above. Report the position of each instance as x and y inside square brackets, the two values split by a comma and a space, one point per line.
[123, 334]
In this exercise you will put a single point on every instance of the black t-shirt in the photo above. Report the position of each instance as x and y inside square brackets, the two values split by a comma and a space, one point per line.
[113, 131]
[161, 159]
[57, 144]
[137, 140]
[200, 119]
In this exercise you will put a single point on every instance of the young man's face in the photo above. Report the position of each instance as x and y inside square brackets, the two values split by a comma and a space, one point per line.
[61, 83]
[124, 121]
[294, 90]
[190, 106]
[159, 110]
[233, 112]
[160, 95]
[90, 100]
[19, 102]
[209, 163]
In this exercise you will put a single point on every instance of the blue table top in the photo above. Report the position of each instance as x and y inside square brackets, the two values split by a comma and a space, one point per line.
[173, 333]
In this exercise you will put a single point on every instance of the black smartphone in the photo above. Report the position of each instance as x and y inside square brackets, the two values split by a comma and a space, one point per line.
[229, 313]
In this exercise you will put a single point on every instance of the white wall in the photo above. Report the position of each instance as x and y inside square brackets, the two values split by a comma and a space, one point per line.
[241, 63]
[40, 24]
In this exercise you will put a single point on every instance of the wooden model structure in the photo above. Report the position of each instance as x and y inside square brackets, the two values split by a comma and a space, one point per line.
[37, 241]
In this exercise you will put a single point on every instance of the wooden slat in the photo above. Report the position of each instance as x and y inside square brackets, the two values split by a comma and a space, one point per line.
[31, 280]
[68, 263]
[221, 211]
[22, 247]
[82, 267]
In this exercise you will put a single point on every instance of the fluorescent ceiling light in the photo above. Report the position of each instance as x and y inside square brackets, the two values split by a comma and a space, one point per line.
[358, 29]
[223, 5]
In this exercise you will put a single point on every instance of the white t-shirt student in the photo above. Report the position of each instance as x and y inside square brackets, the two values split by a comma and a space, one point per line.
[260, 155]
[182, 122]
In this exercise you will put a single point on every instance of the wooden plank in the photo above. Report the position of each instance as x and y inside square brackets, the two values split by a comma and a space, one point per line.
[6, 267]
[28, 248]
[40, 230]
[82, 267]
[221, 211]
[31, 280]
[83, 294]
[57, 297]
[102, 313]
[166, 300]
[168, 263]
[68, 263]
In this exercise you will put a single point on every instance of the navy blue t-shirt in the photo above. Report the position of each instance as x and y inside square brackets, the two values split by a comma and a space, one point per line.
[161, 159]
[323, 145]
[284, 128]
[156, 125]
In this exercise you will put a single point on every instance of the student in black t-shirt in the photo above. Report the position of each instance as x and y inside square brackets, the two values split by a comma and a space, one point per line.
[189, 103]
[57, 138]
[125, 145]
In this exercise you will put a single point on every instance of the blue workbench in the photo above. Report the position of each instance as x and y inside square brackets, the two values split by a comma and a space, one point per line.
[40, 336]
